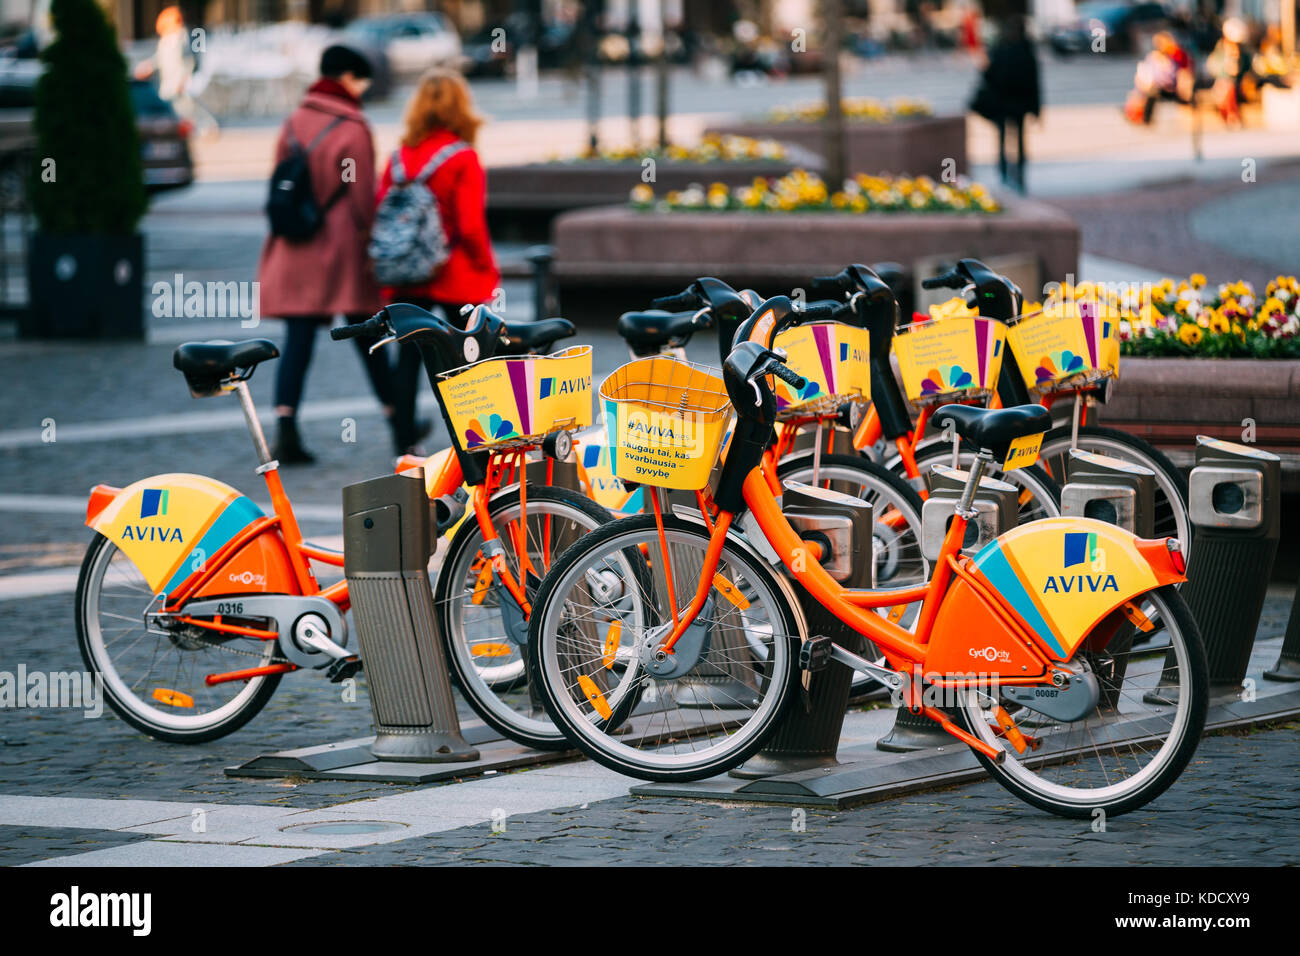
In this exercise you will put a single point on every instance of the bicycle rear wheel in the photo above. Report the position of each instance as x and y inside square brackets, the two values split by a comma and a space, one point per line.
[1137, 740]
[736, 664]
[154, 678]
[1171, 518]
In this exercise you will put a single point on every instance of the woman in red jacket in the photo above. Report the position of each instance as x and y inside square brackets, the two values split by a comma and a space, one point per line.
[441, 112]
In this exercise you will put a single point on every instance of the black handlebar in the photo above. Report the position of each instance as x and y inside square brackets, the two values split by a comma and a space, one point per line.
[787, 374]
[827, 286]
[949, 280]
[371, 327]
[818, 313]
[682, 302]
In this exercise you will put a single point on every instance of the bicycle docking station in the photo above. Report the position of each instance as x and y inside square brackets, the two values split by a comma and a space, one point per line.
[1234, 502]
[418, 737]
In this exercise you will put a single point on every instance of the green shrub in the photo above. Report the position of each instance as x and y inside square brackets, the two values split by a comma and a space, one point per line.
[85, 124]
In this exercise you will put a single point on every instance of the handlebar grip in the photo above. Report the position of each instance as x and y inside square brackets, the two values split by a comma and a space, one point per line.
[682, 302]
[788, 375]
[817, 313]
[822, 286]
[949, 280]
[371, 326]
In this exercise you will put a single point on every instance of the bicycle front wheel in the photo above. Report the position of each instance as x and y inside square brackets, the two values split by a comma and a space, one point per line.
[1134, 743]
[480, 621]
[734, 667]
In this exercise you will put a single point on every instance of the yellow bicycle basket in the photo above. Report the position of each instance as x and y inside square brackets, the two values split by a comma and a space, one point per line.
[514, 401]
[834, 358]
[1065, 346]
[665, 419]
[947, 359]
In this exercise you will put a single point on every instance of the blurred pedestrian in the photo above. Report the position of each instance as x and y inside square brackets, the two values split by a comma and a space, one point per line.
[1229, 67]
[1270, 64]
[441, 127]
[1164, 73]
[174, 64]
[1008, 92]
[311, 271]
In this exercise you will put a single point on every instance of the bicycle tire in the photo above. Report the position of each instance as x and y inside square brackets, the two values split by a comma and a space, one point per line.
[113, 687]
[543, 640]
[1196, 687]
[469, 538]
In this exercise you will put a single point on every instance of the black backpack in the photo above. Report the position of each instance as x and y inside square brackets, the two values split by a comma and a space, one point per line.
[291, 205]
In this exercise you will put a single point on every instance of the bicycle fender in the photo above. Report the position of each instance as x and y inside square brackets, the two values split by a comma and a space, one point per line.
[1061, 576]
[170, 525]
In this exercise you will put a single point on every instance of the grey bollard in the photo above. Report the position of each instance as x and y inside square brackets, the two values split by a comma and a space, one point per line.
[386, 546]
[807, 734]
[1234, 502]
[997, 511]
[1287, 667]
[1120, 493]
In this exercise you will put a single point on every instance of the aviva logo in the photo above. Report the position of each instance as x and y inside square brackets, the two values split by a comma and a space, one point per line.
[858, 354]
[153, 501]
[1080, 548]
[568, 386]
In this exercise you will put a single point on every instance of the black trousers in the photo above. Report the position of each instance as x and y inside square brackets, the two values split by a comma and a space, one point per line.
[410, 367]
[295, 357]
[1016, 123]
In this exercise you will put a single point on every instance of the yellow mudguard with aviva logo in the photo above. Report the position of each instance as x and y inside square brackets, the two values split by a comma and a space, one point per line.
[1060, 577]
[169, 525]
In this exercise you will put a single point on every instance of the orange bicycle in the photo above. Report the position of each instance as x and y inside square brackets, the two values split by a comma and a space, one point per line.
[192, 603]
[1029, 641]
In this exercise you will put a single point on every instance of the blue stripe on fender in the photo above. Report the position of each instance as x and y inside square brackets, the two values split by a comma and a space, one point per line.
[237, 516]
[992, 563]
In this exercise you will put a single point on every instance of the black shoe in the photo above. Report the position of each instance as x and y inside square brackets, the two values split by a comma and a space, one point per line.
[288, 445]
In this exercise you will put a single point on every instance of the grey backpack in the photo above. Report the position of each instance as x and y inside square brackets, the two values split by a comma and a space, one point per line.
[407, 242]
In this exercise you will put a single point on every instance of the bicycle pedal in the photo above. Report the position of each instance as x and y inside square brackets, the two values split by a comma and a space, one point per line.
[343, 668]
[815, 653]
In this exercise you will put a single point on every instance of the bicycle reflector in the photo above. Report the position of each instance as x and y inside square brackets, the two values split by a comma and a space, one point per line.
[172, 698]
[1176, 555]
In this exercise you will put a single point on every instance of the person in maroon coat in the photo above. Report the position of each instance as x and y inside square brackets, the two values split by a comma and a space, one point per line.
[441, 111]
[308, 282]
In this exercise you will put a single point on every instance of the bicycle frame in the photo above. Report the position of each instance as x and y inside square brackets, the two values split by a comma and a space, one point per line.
[927, 655]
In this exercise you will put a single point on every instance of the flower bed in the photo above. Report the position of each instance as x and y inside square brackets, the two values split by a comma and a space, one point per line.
[899, 141]
[712, 148]
[858, 109]
[802, 191]
[1191, 318]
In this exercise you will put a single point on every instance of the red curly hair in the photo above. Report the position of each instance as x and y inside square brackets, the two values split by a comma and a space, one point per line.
[442, 100]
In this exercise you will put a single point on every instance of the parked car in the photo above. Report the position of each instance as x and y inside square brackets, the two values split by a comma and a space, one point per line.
[413, 42]
[164, 136]
[1120, 22]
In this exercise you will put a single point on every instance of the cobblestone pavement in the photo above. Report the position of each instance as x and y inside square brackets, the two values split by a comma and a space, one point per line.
[1228, 229]
[1202, 820]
